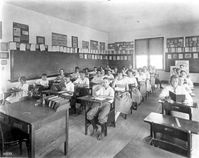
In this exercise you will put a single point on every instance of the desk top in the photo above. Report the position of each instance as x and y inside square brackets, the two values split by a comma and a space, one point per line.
[94, 99]
[176, 123]
[26, 111]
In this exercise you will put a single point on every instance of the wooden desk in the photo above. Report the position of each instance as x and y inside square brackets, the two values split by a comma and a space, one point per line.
[168, 107]
[40, 124]
[174, 127]
[87, 103]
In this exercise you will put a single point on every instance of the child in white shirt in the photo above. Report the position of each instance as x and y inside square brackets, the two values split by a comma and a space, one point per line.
[23, 86]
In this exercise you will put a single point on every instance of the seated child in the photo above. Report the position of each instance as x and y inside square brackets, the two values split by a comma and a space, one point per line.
[187, 79]
[136, 96]
[60, 76]
[174, 87]
[109, 75]
[123, 99]
[76, 74]
[106, 92]
[42, 84]
[82, 81]
[69, 86]
[23, 86]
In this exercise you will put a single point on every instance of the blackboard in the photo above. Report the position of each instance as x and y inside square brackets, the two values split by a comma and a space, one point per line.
[33, 63]
[193, 62]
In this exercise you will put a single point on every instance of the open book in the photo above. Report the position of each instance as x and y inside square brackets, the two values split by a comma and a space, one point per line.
[177, 97]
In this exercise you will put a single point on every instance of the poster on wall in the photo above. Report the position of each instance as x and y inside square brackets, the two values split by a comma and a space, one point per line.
[74, 42]
[185, 64]
[20, 33]
[173, 70]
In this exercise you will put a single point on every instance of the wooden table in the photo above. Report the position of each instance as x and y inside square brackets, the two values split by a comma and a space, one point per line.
[173, 127]
[46, 128]
[87, 103]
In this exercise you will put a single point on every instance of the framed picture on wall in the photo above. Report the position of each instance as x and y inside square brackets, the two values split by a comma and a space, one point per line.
[187, 56]
[169, 56]
[175, 56]
[40, 40]
[180, 56]
[74, 42]
[195, 55]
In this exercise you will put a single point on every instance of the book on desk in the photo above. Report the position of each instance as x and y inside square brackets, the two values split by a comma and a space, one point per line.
[177, 97]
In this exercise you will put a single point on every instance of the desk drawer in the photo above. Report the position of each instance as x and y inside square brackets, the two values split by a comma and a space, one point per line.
[20, 125]
[170, 131]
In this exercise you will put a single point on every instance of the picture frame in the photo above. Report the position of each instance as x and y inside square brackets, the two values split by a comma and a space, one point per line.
[175, 56]
[188, 56]
[180, 56]
[40, 40]
[195, 55]
[74, 41]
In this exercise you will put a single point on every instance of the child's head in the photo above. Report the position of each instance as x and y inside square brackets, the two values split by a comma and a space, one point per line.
[120, 74]
[67, 78]
[106, 82]
[130, 73]
[98, 72]
[183, 73]
[44, 76]
[22, 79]
[61, 72]
[76, 69]
[82, 75]
[174, 81]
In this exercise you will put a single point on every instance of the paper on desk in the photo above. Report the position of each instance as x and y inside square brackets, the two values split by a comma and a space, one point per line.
[178, 123]
[100, 98]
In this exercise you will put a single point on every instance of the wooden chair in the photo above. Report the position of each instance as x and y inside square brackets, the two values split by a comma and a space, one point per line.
[110, 121]
[12, 136]
[168, 107]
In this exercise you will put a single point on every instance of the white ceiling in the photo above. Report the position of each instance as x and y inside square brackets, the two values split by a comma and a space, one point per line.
[117, 15]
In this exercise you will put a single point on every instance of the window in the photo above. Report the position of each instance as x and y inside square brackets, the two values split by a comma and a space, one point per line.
[149, 52]
[141, 60]
[156, 60]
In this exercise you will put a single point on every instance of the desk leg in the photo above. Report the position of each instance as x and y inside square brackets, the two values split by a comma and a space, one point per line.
[66, 142]
[189, 145]
[85, 110]
[31, 153]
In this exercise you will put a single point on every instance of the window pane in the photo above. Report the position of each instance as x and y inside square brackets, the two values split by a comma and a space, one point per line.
[156, 60]
[141, 60]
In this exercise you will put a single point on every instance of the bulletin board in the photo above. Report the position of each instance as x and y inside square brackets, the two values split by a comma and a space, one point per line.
[192, 57]
[59, 39]
[20, 33]
[93, 45]
[102, 46]
[85, 44]
[0, 29]
[40, 40]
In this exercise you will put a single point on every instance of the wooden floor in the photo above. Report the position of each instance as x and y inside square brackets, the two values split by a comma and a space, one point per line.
[128, 135]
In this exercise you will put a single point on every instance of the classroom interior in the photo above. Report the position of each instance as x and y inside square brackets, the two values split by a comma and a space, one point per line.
[42, 37]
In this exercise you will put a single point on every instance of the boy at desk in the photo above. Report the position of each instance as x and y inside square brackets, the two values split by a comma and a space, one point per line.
[23, 91]
[175, 88]
[105, 92]
[82, 81]
[41, 84]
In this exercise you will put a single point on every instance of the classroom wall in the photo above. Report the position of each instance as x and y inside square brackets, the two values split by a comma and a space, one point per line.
[172, 30]
[43, 25]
